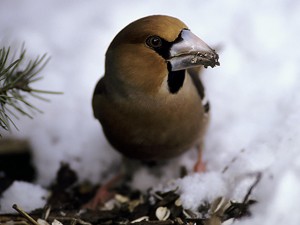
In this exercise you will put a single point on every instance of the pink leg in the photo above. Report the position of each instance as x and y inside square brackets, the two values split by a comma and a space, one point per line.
[200, 166]
[103, 194]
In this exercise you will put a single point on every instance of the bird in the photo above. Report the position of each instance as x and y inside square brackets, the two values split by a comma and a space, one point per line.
[151, 102]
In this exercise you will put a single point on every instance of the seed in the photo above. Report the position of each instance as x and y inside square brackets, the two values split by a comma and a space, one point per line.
[162, 213]
[178, 202]
[42, 222]
[143, 218]
[121, 198]
[56, 222]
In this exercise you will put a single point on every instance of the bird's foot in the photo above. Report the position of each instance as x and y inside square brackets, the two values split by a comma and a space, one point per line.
[200, 167]
[103, 194]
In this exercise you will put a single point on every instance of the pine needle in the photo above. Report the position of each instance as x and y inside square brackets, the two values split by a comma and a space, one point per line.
[16, 75]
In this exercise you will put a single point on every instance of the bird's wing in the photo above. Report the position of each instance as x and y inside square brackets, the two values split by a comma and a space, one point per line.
[195, 75]
[100, 87]
[99, 92]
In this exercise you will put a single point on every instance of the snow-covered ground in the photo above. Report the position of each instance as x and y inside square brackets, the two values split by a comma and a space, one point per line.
[254, 94]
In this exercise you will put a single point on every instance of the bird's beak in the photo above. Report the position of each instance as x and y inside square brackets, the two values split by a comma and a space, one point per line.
[191, 51]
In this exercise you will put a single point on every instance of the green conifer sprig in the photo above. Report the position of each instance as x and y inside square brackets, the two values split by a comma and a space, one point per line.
[16, 75]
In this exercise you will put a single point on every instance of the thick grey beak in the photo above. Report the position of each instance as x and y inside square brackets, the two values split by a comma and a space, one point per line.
[191, 51]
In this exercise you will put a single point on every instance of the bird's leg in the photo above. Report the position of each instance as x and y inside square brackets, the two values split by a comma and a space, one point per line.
[104, 193]
[200, 166]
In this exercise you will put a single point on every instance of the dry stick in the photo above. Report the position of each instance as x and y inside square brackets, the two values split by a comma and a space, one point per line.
[258, 177]
[25, 215]
[232, 161]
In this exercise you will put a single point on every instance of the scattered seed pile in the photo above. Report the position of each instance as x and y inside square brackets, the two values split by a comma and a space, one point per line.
[127, 207]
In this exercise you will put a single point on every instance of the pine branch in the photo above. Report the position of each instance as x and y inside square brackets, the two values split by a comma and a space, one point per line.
[16, 75]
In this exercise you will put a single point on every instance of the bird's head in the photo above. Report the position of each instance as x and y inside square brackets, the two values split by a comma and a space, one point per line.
[148, 50]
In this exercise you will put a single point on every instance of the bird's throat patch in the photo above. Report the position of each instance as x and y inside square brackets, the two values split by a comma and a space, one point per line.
[175, 80]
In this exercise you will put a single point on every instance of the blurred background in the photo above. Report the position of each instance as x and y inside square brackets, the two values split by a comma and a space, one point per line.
[253, 93]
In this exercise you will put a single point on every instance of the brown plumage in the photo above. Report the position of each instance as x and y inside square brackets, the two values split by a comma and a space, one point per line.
[151, 102]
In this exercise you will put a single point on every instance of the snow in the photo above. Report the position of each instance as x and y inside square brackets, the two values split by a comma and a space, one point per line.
[194, 189]
[254, 94]
[28, 196]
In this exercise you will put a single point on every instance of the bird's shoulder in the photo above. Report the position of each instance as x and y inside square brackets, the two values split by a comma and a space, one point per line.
[195, 75]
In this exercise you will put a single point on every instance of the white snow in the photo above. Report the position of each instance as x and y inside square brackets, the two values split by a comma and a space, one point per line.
[194, 189]
[254, 94]
[26, 195]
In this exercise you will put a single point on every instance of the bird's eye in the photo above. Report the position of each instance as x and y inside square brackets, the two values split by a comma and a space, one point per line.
[154, 42]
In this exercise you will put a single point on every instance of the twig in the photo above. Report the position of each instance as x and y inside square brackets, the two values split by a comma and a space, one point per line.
[237, 210]
[25, 215]
[258, 178]
[232, 161]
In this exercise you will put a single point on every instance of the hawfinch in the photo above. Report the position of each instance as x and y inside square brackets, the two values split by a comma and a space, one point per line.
[151, 103]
